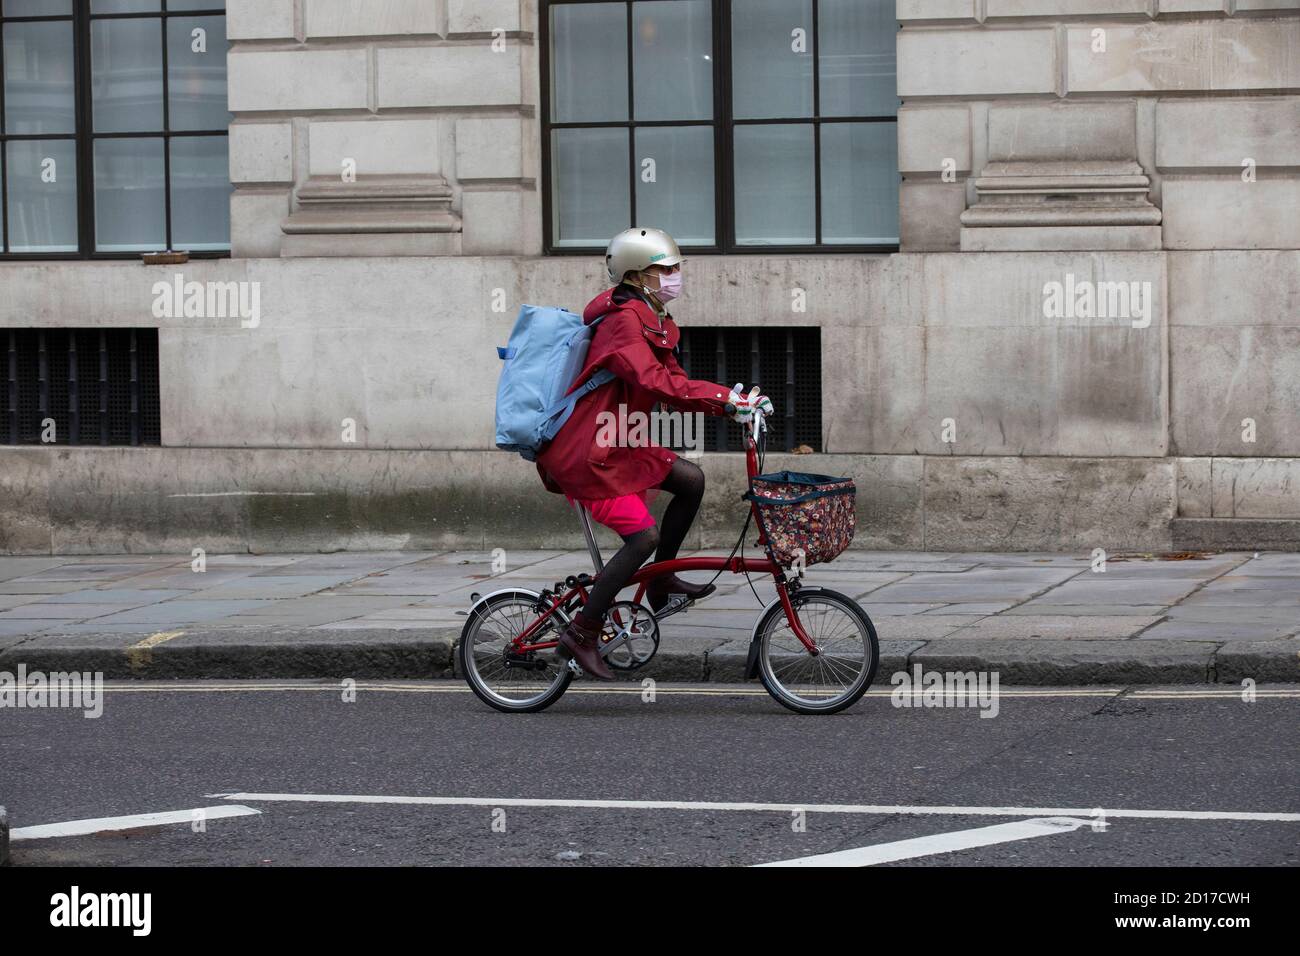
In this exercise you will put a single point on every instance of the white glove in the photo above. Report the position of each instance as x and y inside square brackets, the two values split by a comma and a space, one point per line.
[746, 404]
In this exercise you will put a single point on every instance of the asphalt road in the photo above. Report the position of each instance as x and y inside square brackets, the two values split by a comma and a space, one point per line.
[158, 747]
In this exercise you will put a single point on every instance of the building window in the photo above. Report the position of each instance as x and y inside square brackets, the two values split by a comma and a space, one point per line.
[80, 387]
[784, 362]
[736, 125]
[113, 127]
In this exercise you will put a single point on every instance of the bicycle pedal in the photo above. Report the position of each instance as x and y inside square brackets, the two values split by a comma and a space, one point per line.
[676, 604]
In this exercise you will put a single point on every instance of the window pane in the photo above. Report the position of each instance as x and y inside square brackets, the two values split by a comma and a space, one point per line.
[590, 185]
[680, 199]
[39, 77]
[42, 207]
[196, 4]
[37, 8]
[196, 81]
[775, 185]
[200, 193]
[124, 6]
[856, 57]
[672, 60]
[126, 75]
[129, 195]
[588, 63]
[771, 65]
[860, 183]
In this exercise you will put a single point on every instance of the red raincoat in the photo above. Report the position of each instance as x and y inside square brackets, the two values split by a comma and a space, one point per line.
[632, 344]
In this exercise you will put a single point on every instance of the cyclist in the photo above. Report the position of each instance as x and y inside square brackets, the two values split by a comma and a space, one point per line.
[636, 341]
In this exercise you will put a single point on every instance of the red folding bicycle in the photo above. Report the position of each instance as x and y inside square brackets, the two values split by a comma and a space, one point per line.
[814, 649]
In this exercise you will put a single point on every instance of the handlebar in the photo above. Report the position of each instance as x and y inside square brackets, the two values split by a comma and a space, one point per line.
[757, 425]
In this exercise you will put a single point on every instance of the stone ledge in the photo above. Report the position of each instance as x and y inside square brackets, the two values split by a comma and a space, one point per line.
[1061, 9]
[936, 11]
[1056, 198]
[1079, 238]
[1263, 534]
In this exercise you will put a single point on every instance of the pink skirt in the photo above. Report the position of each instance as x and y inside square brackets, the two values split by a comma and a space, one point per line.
[626, 514]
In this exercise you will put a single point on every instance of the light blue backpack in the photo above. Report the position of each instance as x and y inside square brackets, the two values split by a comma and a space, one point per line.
[547, 349]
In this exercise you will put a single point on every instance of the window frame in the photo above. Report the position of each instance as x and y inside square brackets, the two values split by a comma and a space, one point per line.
[723, 124]
[84, 135]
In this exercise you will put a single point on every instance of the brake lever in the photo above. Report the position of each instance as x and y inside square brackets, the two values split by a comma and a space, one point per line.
[758, 424]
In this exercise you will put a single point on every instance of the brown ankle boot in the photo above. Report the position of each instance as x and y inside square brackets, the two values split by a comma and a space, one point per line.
[659, 590]
[581, 639]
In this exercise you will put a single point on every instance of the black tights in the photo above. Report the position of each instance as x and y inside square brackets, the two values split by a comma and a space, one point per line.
[685, 482]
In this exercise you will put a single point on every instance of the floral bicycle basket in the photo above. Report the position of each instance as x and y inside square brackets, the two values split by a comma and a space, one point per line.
[803, 514]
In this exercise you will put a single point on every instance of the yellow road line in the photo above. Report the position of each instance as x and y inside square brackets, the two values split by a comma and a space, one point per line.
[140, 654]
[216, 687]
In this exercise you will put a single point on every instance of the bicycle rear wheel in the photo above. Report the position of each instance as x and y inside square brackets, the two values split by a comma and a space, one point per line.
[827, 682]
[508, 682]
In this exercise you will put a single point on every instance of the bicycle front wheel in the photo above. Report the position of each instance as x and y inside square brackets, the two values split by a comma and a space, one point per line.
[842, 670]
[499, 676]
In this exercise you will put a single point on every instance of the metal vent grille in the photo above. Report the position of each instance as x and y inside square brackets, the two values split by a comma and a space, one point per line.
[785, 362]
[99, 386]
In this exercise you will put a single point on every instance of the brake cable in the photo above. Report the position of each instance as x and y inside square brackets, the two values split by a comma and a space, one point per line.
[761, 451]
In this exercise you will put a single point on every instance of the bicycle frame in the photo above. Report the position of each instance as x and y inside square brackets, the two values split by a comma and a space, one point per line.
[648, 573]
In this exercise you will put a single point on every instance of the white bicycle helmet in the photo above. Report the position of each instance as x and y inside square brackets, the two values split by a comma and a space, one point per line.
[634, 249]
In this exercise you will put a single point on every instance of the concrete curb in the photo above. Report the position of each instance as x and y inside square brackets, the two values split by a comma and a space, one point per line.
[424, 653]
[1050, 663]
[1275, 661]
[246, 653]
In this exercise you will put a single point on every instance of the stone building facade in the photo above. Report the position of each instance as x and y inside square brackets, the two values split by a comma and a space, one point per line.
[1088, 335]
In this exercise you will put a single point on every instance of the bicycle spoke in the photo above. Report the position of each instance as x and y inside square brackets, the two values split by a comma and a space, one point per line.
[493, 635]
[836, 671]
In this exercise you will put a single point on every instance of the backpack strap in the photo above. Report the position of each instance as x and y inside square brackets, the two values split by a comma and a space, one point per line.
[599, 378]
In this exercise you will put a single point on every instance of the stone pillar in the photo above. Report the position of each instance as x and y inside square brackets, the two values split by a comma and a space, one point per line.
[1061, 176]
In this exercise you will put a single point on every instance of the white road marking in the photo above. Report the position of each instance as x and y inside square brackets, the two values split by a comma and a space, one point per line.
[768, 807]
[101, 824]
[940, 843]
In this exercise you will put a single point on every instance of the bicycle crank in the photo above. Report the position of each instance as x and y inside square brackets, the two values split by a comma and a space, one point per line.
[630, 637]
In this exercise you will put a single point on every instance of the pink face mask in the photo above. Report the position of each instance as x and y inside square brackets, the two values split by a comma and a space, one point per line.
[670, 286]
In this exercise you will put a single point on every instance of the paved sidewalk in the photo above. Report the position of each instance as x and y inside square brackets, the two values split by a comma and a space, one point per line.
[1042, 619]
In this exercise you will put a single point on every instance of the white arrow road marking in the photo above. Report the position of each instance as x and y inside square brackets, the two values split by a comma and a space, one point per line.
[940, 843]
[751, 807]
[101, 824]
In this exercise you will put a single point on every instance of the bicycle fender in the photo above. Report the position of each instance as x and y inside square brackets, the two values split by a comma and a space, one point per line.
[486, 597]
[751, 662]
